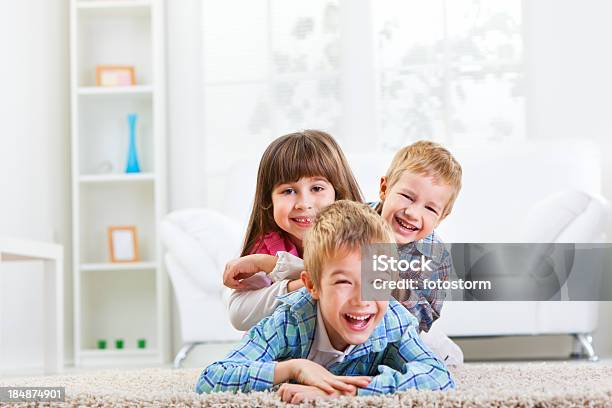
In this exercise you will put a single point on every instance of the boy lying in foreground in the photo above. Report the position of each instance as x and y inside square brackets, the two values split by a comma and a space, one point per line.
[324, 338]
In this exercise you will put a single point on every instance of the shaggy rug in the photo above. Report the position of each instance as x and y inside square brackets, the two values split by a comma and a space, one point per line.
[478, 385]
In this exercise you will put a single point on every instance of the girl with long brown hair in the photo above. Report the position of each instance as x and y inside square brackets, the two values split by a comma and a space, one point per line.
[299, 174]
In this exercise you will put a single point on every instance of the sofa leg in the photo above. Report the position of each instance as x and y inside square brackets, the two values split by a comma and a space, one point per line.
[583, 347]
[182, 354]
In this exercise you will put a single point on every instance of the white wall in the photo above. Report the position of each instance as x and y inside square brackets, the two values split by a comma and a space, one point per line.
[34, 165]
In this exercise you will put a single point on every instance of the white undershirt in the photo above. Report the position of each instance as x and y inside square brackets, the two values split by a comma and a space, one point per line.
[322, 351]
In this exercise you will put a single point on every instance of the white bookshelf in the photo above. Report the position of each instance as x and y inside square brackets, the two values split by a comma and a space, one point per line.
[127, 301]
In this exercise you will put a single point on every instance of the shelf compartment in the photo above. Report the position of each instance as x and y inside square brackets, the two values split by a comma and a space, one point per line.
[118, 305]
[104, 135]
[125, 28]
[104, 205]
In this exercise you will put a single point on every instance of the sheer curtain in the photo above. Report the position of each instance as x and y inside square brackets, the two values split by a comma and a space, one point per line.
[450, 70]
[375, 74]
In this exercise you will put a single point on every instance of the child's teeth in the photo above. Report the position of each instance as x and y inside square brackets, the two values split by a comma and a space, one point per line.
[406, 225]
[357, 317]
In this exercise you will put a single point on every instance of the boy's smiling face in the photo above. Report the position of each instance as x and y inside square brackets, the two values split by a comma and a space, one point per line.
[414, 205]
[348, 319]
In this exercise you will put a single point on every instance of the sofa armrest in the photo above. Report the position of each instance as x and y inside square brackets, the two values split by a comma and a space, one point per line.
[201, 241]
[568, 216]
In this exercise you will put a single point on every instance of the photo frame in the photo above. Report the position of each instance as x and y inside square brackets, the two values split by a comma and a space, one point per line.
[123, 243]
[115, 75]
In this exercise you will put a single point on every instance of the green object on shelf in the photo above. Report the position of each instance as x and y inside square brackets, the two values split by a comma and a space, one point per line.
[101, 344]
[119, 343]
[142, 343]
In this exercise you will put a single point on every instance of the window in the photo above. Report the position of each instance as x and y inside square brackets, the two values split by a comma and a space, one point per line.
[447, 70]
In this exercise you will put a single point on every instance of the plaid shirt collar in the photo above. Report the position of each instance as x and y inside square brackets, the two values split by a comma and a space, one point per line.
[304, 308]
[425, 246]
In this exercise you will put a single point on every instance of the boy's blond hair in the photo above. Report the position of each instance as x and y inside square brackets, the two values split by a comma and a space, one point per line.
[342, 227]
[428, 159]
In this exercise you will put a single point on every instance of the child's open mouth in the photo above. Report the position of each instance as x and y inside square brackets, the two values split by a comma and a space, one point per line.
[303, 221]
[357, 322]
[405, 225]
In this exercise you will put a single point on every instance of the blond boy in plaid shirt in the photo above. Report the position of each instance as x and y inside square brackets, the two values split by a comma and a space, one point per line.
[324, 340]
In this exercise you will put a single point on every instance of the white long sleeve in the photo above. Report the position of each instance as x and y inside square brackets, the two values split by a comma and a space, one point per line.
[288, 266]
[248, 307]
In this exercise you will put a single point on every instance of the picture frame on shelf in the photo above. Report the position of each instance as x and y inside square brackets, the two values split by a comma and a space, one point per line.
[115, 75]
[123, 244]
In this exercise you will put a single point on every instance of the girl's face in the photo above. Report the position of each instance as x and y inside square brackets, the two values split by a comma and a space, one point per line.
[296, 204]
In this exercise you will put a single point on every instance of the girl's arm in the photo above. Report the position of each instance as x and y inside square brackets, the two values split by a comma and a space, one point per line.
[238, 271]
[280, 267]
[248, 307]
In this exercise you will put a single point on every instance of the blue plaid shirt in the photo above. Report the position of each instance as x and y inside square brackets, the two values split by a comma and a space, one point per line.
[425, 304]
[393, 355]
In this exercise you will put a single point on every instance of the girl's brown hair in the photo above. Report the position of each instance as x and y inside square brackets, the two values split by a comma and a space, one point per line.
[309, 153]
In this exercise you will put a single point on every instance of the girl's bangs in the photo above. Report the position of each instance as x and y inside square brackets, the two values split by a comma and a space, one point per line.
[303, 164]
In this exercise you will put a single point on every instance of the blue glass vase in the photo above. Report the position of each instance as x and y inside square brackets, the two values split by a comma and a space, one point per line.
[132, 160]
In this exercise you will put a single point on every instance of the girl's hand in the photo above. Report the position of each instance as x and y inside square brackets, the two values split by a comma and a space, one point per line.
[298, 393]
[310, 373]
[238, 269]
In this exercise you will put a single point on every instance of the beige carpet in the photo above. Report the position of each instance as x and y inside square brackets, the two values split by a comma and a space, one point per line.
[478, 385]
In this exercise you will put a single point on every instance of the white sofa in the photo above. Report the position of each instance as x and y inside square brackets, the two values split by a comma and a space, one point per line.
[527, 192]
